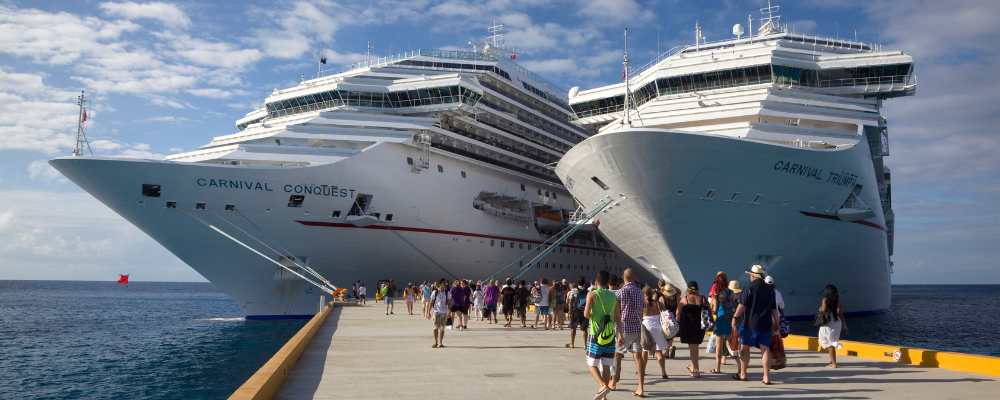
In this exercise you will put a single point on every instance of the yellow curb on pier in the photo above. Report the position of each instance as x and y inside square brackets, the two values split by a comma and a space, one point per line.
[928, 358]
[264, 384]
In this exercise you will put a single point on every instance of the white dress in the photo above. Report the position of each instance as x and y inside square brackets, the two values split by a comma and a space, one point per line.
[652, 323]
[829, 334]
[477, 301]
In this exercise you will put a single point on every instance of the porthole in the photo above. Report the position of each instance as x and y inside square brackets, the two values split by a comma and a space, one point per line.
[267, 210]
[230, 207]
[679, 192]
[141, 203]
[200, 206]
[171, 204]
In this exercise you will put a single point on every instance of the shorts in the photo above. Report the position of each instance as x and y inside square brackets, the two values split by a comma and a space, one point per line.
[755, 338]
[362, 296]
[409, 300]
[558, 309]
[491, 309]
[461, 309]
[508, 310]
[632, 343]
[389, 300]
[578, 321]
[598, 355]
[439, 320]
[522, 312]
[427, 301]
[541, 310]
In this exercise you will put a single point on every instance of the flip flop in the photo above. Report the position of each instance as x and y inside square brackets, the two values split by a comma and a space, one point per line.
[569, 347]
[602, 394]
[737, 377]
[434, 346]
[766, 383]
[665, 376]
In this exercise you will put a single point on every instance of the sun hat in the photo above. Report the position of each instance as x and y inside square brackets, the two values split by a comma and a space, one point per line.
[769, 280]
[757, 271]
[670, 290]
[735, 286]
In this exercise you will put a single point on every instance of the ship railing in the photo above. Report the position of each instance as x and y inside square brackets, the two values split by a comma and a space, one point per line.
[869, 81]
[452, 54]
[323, 105]
[536, 109]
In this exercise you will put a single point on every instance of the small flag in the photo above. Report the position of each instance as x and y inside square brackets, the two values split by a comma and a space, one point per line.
[513, 56]
[322, 60]
[623, 74]
[84, 115]
[597, 224]
[123, 279]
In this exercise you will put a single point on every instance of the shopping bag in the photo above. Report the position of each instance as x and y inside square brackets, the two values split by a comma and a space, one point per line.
[669, 324]
[778, 358]
[712, 344]
[733, 345]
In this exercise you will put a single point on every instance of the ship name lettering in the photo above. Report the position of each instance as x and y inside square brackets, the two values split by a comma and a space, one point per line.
[229, 184]
[799, 169]
[320, 190]
[847, 180]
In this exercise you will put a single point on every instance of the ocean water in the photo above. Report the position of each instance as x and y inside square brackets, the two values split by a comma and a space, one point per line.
[144, 340]
[956, 318]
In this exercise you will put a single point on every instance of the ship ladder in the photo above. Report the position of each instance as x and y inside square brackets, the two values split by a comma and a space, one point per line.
[562, 235]
[322, 287]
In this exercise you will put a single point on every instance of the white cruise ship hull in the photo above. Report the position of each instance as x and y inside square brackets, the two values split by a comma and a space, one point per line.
[433, 210]
[666, 219]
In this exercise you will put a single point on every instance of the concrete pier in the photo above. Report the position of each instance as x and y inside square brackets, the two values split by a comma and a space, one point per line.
[361, 353]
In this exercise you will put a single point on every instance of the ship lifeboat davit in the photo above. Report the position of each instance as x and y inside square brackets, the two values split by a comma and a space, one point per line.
[362, 221]
[853, 214]
[549, 220]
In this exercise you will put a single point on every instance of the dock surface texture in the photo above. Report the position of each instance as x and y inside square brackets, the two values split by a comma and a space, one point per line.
[361, 353]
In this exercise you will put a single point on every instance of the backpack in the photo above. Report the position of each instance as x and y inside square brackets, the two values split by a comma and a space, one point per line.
[729, 307]
[580, 302]
[605, 327]
[522, 297]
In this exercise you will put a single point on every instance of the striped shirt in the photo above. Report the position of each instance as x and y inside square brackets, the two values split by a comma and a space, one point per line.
[632, 302]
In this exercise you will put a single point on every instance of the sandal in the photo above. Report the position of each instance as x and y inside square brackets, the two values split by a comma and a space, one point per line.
[737, 377]
[568, 346]
[715, 371]
[766, 383]
[434, 346]
[665, 376]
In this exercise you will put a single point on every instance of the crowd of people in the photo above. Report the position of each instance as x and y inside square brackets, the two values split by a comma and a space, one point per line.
[617, 315]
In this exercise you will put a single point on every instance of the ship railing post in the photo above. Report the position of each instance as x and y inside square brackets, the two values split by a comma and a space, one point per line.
[322, 300]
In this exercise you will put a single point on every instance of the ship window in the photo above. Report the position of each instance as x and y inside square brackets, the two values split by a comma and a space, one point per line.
[539, 192]
[154, 190]
[463, 174]
[440, 168]
[560, 266]
[388, 217]
[599, 183]
[409, 160]
[491, 243]
[171, 204]
[522, 188]
[520, 245]
[230, 207]
[756, 200]
[554, 195]
[377, 215]
[546, 265]
[560, 249]
[546, 193]
[336, 214]
[502, 244]
[734, 197]
[295, 200]
[708, 195]
[200, 206]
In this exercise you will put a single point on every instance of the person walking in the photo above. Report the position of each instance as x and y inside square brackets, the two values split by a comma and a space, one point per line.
[354, 290]
[577, 303]
[361, 293]
[689, 310]
[759, 324]
[669, 301]
[723, 307]
[733, 343]
[523, 297]
[491, 295]
[604, 315]
[477, 301]
[409, 296]
[541, 296]
[508, 296]
[651, 324]
[459, 299]
[439, 313]
[632, 302]
[425, 291]
[557, 300]
[390, 296]
[829, 334]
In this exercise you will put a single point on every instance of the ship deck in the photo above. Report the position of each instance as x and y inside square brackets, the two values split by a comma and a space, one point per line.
[361, 353]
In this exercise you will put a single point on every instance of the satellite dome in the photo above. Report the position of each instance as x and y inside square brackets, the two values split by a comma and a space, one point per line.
[573, 91]
[737, 29]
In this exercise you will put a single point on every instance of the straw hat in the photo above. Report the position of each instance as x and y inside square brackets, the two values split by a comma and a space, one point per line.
[757, 271]
[735, 286]
[670, 290]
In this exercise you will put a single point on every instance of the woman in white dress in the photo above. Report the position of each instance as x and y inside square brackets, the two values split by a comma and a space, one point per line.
[477, 301]
[651, 322]
[829, 334]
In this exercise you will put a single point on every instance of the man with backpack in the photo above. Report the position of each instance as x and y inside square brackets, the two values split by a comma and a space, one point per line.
[577, 303]
[389, 294]
[604, 314]
[508, 297]
[523, 297]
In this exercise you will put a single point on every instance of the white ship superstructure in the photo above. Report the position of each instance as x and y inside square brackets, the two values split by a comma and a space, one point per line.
[758, 150]
[447, 149]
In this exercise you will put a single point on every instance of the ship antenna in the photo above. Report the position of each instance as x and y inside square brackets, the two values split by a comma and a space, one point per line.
[319, 62]
[81, 137]
[628, 118]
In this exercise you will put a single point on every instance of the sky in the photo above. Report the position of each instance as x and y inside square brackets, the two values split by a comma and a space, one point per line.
[166, 77]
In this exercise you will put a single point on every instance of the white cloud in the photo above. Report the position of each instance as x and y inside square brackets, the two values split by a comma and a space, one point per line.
[614, 12]
[7, 218]
[214, 93]
[167, 13]
[41, 170]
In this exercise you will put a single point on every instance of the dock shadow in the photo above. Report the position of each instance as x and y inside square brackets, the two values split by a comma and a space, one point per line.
[309, 369]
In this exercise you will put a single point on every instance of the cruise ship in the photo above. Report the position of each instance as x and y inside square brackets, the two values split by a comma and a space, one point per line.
[766, 149]
[424, 165]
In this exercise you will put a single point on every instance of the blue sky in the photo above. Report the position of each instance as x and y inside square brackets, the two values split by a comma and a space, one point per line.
[166, 77]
